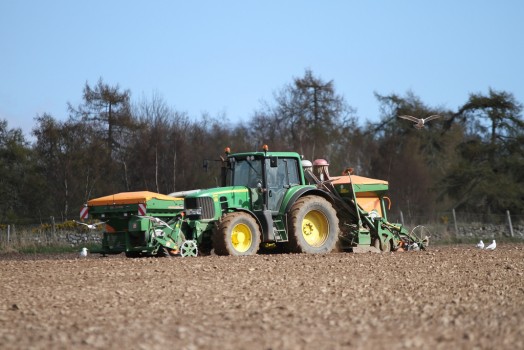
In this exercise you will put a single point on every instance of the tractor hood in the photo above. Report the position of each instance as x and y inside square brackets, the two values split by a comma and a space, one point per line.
[184, 193]
[210, 203]
[218, 191]
[233, 195]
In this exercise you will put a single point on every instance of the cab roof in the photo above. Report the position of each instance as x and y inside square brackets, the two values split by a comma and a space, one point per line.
[265, 154]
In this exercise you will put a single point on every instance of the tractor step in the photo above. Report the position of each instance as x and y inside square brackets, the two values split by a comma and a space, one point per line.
[279, 233]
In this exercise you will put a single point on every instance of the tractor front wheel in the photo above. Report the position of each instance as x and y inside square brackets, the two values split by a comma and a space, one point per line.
[313, 226]
[237, 234]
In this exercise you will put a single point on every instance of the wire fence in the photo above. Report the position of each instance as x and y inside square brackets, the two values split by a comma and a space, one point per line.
[452, 217]
[441, 226]
[463, 226]
[47, 234]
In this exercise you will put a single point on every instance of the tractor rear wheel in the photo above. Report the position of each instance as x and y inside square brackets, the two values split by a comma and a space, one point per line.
[313, 226]
[237, 234]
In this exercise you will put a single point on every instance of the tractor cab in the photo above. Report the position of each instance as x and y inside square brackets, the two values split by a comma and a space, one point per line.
[267, 175]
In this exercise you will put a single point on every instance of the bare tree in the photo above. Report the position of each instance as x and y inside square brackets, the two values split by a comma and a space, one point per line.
[107, 108]
[308, 116]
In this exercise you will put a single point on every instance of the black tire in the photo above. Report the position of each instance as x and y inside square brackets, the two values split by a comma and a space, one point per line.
[386, 246]
[163, 252]
[383, 247]
[133, 255]
[376, 243]
[313, 226]
[237, 234]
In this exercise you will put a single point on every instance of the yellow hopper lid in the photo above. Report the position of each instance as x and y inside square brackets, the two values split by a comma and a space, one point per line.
[357, 180]
[129, 198]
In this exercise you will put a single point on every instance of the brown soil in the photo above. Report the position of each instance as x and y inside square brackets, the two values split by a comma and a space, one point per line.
[442, 298]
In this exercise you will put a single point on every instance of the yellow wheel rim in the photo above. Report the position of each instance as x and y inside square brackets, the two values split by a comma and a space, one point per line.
[315, 228]
[242, 238]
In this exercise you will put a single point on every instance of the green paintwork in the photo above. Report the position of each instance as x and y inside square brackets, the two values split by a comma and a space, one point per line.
[126, 232]
[292, 192]
[254, 201]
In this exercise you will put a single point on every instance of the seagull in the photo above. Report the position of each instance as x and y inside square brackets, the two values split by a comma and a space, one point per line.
[419, 123]
[83, 253]
[155, 220]
[91, 226]
[492, 246]
[480, 245]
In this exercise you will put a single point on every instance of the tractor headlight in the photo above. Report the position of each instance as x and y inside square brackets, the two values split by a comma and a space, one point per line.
[197, 211]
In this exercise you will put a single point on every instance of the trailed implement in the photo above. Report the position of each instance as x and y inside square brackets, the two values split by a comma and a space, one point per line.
[133, 220]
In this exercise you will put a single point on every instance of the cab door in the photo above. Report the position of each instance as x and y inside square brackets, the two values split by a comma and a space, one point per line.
[282, 173]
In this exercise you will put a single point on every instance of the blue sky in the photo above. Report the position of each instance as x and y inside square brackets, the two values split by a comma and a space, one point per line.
[225, 57]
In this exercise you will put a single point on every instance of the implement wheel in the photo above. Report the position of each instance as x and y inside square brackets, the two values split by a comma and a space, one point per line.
[132, 254]
[237, 234]
[313, 226]
[383, 247]
[163, 252]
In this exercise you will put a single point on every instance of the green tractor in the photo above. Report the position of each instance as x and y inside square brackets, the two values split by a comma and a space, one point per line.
[269, 200]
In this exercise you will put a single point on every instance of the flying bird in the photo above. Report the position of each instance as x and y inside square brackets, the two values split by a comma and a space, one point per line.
[419, 122]
[91, 226]
[155, 220]
[83, 252]
[480, 245]
[492, 246]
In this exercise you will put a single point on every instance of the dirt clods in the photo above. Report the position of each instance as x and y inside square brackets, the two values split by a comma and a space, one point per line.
[442, 298]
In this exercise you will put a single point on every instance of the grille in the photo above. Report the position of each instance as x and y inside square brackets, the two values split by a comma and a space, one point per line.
[205, 203]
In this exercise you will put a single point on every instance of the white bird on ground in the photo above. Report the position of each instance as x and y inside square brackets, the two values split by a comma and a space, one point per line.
[155, 220]
[91, 226]
[492, 246]
[414, 247]
[83, 252]
[419, 122]
[480, 245]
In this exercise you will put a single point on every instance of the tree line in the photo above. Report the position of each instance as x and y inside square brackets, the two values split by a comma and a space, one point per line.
[471, 159]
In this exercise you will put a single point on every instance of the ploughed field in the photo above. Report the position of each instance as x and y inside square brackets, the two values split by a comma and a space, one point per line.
[442, 298]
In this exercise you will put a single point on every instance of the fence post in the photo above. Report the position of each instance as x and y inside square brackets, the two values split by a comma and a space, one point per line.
[402, 218]
[509, 223]
[8, 233]
[455, 221]
[53, 228]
